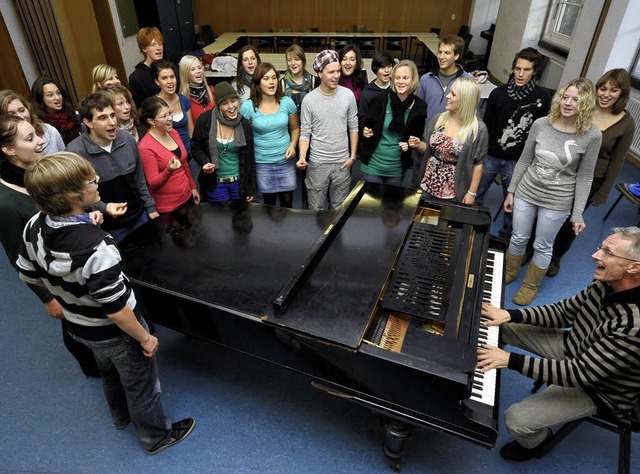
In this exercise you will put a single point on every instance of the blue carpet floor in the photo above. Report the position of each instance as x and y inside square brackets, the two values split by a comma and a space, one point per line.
[251, 417]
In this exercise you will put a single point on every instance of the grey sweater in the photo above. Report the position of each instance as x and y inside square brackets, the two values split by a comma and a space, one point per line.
[555, 169]
[326, 122]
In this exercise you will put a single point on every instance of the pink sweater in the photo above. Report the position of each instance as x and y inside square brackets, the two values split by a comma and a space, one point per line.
[169, 189]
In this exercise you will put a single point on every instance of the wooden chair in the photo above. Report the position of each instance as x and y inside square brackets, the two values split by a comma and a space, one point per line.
[624, 190]
[624, 427]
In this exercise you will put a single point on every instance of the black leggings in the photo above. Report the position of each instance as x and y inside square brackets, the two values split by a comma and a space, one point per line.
[285, 198]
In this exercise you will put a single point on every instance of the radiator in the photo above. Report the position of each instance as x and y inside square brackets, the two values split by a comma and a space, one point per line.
[634, 109]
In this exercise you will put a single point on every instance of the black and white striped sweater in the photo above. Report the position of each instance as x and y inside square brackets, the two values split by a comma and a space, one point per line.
[602, 347]
[81, 266]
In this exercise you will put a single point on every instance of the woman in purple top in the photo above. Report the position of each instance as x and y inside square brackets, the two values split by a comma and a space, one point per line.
[352, 73]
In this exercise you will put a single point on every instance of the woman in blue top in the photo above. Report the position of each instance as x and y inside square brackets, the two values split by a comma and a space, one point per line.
[165, 74]
[276, 128]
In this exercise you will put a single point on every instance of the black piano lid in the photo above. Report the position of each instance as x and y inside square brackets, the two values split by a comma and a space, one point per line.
[239, 257]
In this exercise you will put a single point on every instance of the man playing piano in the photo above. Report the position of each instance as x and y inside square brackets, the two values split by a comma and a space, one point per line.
[587, 349]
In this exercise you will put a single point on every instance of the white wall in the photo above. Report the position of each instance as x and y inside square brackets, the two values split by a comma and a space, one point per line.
[128, 46]
[19, 41]
[483, 14]
[510, 25]
[618, 48]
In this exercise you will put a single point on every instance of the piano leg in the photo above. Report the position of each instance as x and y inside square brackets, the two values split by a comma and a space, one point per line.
[396, 436]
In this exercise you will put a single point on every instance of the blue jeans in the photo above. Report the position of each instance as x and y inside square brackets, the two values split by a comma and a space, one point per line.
[492, 167]
[131, 386]
[390, 180]
[547, 227]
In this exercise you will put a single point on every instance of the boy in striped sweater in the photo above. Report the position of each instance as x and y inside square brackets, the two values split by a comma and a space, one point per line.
[81, 266]
[587, 349]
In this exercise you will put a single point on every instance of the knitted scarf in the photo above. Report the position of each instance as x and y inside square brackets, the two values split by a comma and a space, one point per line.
[130, 127]
[66, 124]
[519, 93]
[199, 93]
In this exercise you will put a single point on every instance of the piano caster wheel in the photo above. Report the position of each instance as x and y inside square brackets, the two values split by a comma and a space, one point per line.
[396, 436]
[395, 465]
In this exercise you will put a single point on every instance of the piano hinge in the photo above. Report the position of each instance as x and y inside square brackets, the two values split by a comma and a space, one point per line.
[471, 280]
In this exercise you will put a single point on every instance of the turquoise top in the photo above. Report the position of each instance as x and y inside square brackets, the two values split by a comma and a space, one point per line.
[228, 160]
[270, 131]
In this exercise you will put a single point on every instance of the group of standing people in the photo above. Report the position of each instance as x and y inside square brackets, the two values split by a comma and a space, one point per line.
[171, 139]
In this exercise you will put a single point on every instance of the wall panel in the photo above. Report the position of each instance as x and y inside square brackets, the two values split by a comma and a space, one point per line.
[333, 15]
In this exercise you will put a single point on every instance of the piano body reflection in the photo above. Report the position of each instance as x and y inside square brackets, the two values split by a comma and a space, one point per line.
[377, 302]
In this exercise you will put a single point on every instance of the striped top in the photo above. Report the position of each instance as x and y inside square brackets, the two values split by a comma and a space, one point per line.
[602, 347]
[81, 266]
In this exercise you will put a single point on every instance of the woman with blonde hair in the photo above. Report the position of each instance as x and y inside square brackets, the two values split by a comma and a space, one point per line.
[456, 144]
[126, 112]
[12, 103]
[297, 81]
[552, 181]
[104, 75]
[393, 127]
[194, 85]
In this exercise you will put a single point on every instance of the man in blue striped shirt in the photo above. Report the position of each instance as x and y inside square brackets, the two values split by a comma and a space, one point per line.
[81, 266]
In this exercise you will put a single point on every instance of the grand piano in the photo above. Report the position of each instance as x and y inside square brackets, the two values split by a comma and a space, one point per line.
[377, 302]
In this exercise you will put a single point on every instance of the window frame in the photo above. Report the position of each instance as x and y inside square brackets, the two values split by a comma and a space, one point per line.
[634, 69]
[552, 39]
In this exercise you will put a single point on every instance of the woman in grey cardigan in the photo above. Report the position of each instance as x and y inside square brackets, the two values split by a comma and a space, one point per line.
[551, 181]
[456, 144]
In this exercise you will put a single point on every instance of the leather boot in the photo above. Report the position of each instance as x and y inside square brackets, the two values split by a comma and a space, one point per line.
[529, 289]
[512, 267]
[554, 267]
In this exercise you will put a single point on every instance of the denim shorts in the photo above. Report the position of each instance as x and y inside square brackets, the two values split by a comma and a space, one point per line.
[276, 177]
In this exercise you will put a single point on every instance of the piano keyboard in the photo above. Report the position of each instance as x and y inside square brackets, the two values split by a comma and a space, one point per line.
[484, 385]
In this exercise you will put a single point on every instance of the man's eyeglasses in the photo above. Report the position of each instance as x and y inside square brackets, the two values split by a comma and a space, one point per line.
[607, 253]
[154, 44]
[168, 115]
[92, 181]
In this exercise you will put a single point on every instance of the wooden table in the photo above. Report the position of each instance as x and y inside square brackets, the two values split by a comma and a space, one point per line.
[279, 61]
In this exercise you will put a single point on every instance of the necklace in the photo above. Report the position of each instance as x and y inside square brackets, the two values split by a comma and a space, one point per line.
[225, 141]
[327, 95]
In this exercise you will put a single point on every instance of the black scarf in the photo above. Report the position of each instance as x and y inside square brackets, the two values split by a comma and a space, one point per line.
[398, 109]
[519, 93]
[12, 174]
[199, 93]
